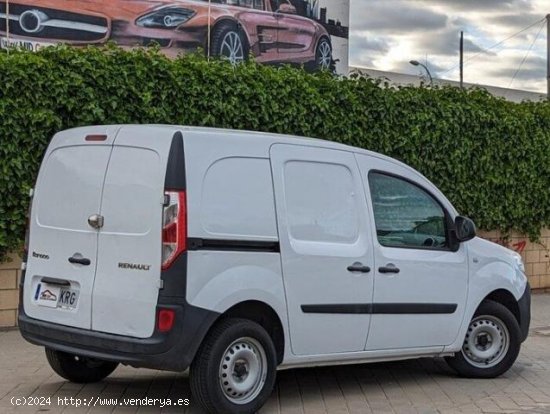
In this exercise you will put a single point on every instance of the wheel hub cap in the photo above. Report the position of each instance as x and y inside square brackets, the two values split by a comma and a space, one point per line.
[243, 370]
[487, 342]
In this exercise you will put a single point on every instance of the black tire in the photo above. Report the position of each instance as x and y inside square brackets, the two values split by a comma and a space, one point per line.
[224, 32]
[207, 368]
[494, 312]
[322, 60]
[79, 369]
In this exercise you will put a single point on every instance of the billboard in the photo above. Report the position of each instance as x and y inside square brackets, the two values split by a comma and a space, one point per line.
[313, 33]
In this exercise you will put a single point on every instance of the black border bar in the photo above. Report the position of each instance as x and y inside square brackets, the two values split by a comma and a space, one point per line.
[194, 243]
[382, 308]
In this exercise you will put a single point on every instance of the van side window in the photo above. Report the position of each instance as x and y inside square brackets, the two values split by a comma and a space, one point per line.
[320, 202]
[236, 202]
[405, 214]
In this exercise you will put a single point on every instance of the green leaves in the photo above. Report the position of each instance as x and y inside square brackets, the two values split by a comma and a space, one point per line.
[489, 156]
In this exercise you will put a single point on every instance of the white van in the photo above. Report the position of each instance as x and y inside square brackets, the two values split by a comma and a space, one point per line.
[239, 253]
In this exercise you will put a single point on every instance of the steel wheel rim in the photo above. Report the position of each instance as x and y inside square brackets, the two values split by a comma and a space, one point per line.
[325, 55]
[487, 342]
[232, 48]
[243, 370]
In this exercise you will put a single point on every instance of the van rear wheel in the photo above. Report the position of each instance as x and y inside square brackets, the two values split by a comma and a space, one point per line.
[79, 369]
[491, 345]
[234, 370]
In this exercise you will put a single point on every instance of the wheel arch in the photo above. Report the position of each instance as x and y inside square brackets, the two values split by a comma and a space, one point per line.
[506, 299]
[265, 316]
[240, 285]
[520, 308]
[493, 277]
[492, 344]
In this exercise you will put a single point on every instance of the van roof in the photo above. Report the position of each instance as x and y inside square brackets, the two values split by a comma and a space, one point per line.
[264, 139]
[270, 138]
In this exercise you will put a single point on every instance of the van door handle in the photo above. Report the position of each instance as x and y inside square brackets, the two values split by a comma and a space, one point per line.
[80, 260]
[358, 267]
[52, 281]
[390, 268]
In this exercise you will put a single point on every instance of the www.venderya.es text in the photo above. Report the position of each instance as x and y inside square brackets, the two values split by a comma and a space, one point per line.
[99, 402]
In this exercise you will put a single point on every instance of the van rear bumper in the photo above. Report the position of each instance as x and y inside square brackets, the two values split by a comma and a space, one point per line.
[172, 351]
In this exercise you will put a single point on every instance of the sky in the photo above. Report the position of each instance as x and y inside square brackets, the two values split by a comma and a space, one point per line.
[387, 34]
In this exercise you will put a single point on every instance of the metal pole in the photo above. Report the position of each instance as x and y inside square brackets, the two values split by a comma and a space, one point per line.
[208, 34]
[8, 23]
[461, 59]
[548, 56]
[417, 63]
[429, 74]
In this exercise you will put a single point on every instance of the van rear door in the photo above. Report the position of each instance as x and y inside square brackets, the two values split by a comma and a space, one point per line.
[128, 279]
[63, 245]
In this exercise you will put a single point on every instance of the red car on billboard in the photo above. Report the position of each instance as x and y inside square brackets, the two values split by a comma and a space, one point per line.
[271, 30]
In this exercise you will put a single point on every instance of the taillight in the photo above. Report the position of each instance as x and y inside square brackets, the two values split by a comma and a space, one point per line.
[165, 320]
[174, 227]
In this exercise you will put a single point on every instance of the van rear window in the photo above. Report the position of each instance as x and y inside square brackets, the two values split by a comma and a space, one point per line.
[70, 186]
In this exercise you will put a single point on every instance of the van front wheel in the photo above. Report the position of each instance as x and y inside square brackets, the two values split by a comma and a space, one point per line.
[79, 369]
[234, 370]
[491, 345]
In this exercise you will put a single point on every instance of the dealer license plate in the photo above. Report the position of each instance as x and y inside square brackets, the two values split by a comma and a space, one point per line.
[53, 296]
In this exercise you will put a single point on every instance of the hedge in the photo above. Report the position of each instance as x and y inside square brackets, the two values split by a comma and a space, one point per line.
[489, 156]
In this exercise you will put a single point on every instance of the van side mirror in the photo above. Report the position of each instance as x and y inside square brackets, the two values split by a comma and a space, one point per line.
[465, 229]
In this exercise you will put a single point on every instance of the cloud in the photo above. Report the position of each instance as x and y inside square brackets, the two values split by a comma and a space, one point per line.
[514, 20]
[373, 43]
[491, 6]
[371, 48]
[382, 16]
[446, 43]
[533, 68]
[385, 35]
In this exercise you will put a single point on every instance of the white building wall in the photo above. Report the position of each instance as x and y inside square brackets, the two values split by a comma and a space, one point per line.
[514, 95]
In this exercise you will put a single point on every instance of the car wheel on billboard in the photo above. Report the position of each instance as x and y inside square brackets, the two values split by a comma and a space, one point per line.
[229, 43]
[323, 55]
